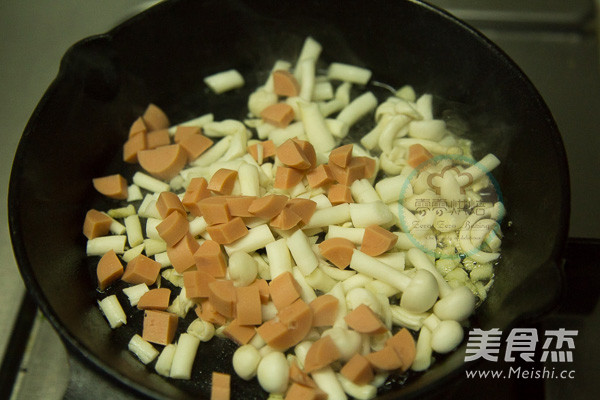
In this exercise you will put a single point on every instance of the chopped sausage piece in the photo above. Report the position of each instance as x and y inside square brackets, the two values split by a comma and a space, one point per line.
[194, 145]
[292, 155]
[222, 181]
[404, 345]
[322, 353]
[324, 310]
[358, 370]
[417, 155]
[159, 326]
[228, 232]
[385, 359]
[279, 114]
[285, 220]
[354, 171]
[268, 150]
[285, 83]
[133, 146]
[286, 178]
[196, 191]
[221, 386]
[338, 251]
[248, 307]
[138, 126]
[214, 210]
[241, 334]
[210, 259]
[196, 284]
[305, 208]
[268, 207]
[141, 270]
[301, 377]
[208, 313]
[222, 296]
[284, 290]
[96, 224]
[309, 151]
[263, 289]
[369, 164]
[155, 118]
[169, 202]
[181, 254]
[295, 321]
[320, 176]
[109, 269]
[173, 228]
[163, 162]
[339, 194]
[155, 299]
[239, 205]
[377, 240]
[113, 186]
[363, 320]
[341, 156]
[298, 391]
[158, 138]
[182, 132]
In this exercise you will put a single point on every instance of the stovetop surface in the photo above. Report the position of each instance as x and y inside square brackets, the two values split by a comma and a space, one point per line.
[555, 42]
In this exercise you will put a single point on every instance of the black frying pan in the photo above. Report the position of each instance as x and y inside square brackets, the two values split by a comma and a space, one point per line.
[161, 56]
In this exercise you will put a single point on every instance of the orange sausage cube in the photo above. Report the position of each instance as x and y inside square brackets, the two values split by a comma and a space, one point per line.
[417, 155]
[155, 118]
[358, 370]
[241, 334]
[209, 313]
[214, 210]
[159, 326]
[320, 176]
[341, 156]
[322, 353]
[173, 228]
[194, 145]
[286, 178]
[339, 194]
[228, 232]
[248, 307]
[369, 164]
[268, 207]
[284, 290]
[354, 170]
[196, 284]
[169, 202]
[221, 386]
[158, 138]
[363, 320]
[404, 345]
[196, 191]
[377, 240]
[138, 126]
[163, 162]
[304, 208]
[113, 186]
[222, 181]
[385, 359]
[223, 297]
[96, 224]
[308, 150]
[285, 83]
[181, 132]
[263, 290]
[155, 299]
[181, 254]
[299, 376]
[292, 155]
[133, 146]
[109, 269]
[141, 270]
[210, 259]
[239, 205]
[295, 321]
[279, 114]
[338, 251]
[324, 310]
[285, 220]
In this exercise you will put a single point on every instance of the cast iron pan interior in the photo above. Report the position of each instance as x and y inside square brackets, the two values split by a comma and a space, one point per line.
[162, 55]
